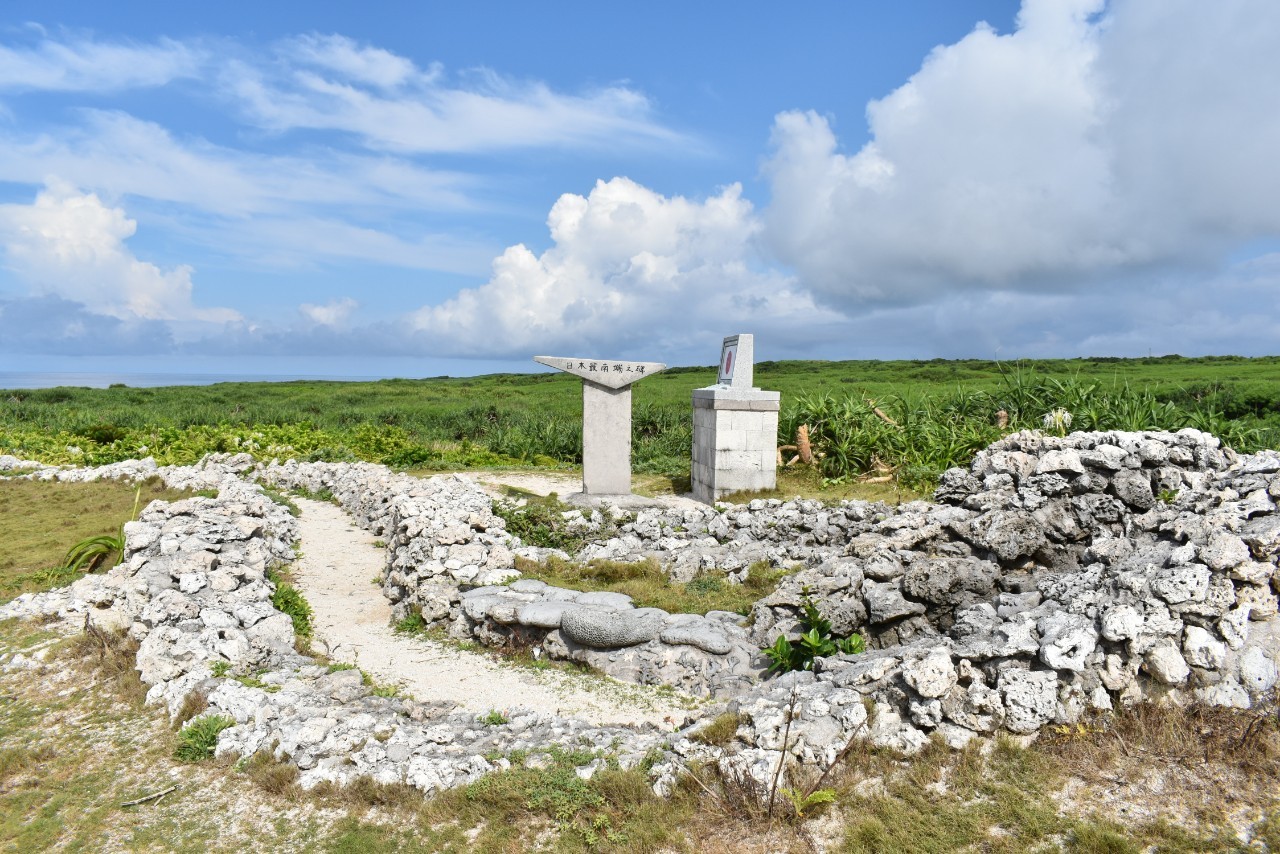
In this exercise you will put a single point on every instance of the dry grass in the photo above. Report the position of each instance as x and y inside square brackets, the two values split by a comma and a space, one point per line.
[75, 744]
[40, 520]
[651, 587]
[802, 481]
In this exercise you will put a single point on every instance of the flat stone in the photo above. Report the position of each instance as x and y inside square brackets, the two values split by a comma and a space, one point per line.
[1165, 663]
[885, 602]
[1057, 461]
[1030, 698]
[605, 598]
[930, 676]
[1066, 641]
[702, 634]
[545, 614]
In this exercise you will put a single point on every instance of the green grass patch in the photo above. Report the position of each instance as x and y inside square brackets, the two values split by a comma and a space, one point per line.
[199, 738]
[289, 600]
[40, 520]
[539, 521]
[650, 587]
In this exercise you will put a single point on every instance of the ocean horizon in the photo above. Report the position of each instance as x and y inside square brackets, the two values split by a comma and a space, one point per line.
[105, 379]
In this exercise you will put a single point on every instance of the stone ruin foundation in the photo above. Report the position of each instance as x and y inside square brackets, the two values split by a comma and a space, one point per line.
[1052, 577]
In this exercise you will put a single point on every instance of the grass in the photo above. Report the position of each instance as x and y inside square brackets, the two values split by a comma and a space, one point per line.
[289, 600]
[942, 411]
[40, 520]
[198, 739]
[650, 587]
[76, 742]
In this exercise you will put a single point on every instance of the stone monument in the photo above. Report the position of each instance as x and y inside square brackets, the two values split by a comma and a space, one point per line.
[735, 428]
[606, 418]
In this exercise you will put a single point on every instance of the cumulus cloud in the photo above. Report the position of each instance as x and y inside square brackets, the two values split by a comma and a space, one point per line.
[333, 313]
[71, 245]
[333, 83]
[51, 325]
[628, 268]
[85, 65]
[1089, 143]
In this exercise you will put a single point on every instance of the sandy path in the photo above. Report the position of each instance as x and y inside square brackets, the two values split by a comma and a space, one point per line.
[352, 622]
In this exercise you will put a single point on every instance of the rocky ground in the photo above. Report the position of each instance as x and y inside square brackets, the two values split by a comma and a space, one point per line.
[1055, 579]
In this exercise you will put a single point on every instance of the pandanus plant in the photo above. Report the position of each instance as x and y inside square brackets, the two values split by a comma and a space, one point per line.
[91, 552]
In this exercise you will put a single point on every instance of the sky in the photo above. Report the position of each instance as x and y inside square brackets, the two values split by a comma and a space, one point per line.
[416, 189]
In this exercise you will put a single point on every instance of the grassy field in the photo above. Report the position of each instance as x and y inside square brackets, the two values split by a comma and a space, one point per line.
[39, 521]
[931, 414]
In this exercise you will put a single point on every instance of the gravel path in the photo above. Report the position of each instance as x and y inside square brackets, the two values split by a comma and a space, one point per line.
[352, 624]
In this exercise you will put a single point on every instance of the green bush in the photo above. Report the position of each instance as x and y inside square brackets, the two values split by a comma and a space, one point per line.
[816, 641]
[288, 600]
[198, 739]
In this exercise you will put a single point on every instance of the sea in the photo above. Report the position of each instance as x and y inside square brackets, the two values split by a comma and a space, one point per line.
[35, 379]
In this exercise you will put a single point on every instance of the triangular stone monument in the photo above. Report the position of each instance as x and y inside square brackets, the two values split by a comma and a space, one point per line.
[606, 418]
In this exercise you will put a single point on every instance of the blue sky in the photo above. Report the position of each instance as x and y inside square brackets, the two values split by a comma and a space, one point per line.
[421, 188]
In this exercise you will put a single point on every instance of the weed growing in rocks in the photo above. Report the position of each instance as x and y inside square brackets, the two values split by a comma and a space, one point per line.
[193, 705]
[494, 718]
[316, 495]
[283, 500]
[116, 656]
[198, 739]
[288, 600]
[720, 731]
[537, 521]
[815, 641]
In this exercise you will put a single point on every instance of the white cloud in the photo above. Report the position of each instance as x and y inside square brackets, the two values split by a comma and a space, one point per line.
[1080, 146]
[332, 83]
[84, 65]
[357, 62]
[630, 271]
[69, 244]
[118, 153]
[333, 313]
[281, 210]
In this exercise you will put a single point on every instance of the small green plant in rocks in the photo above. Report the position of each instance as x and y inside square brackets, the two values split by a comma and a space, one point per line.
[815, 641]
[198, 739]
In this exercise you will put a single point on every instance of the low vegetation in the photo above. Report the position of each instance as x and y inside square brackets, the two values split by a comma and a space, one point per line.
[197, 740]
[816, 641]
[930, 414]
[289, 600]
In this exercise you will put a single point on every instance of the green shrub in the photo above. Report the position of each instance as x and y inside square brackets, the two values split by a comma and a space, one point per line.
[199, 738]
[816, 641]
[288, 600]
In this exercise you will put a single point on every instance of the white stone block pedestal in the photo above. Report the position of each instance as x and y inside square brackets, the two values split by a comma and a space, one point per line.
[735, 428]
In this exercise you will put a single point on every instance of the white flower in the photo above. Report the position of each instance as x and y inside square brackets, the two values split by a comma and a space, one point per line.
[1059, 420]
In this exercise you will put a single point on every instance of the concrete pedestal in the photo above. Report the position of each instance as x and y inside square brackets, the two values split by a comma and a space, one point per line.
[606, 418]
[735, 441]
[606, 439]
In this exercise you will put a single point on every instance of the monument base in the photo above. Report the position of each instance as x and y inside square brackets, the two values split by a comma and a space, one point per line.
[735, 441]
